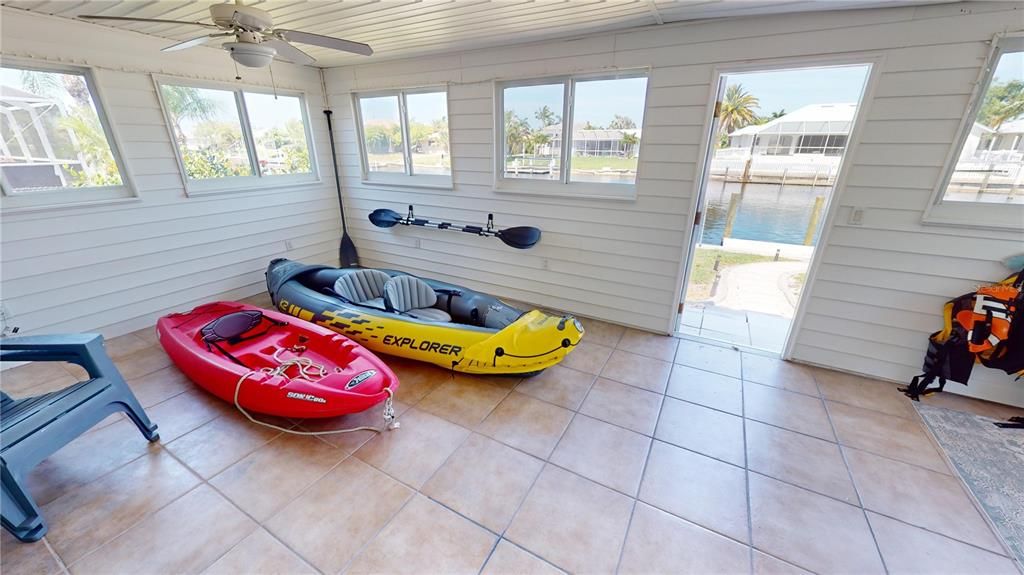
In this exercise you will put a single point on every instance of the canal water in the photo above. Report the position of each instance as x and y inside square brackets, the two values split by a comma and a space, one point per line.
[767, 212]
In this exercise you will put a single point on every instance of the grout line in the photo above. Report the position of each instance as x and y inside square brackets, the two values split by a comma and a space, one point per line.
[856, 490]
[746, 470]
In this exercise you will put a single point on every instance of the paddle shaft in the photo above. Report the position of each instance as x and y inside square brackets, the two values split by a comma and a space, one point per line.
[347, 255]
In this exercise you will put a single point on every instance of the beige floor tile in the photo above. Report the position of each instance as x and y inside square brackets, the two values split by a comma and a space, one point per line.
[588, 357]
[623, 405]
[777, 373]
[338, 514]
[142, 362]
[17, 558]
[931, 500]
[426, 538]
[124, 345]
[765, 564]
[602, 333]
[661, 543]
[559, 385]
[894, 437]
[45, 375]
[185, 537]
[972, 405]
[353, 440]
[699, 489]
[260, 553]
[789, 523]
[163, 384]
[574, 523]
[464, 400]
[416, 450]
[805, 461]
[647, 344]
[91, 515]
[96, 453]
[863, 392]
[526, 423]
[184, 412]
[602, 452]
[907, 549]
[637, 370]
[793, 411]
[268, 478]
[723, 360]
[216, 445]
[485, 481]
[698, 428]
[148, 334]
[508, 559]
[415, 378]
[706, 388]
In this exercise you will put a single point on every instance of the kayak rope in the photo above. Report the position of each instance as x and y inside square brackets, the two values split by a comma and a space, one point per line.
[308, 370]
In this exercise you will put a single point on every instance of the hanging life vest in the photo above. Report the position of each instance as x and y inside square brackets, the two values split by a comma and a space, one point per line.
[986, 326]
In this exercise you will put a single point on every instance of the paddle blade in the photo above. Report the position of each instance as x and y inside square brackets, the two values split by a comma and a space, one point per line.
[383, 218]
[522, 238]
[347, 255]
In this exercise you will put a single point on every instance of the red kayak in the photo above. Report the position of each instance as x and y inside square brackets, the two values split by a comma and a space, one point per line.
[275, 363]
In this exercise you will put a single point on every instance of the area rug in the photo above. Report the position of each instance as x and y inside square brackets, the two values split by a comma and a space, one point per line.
[990, 461]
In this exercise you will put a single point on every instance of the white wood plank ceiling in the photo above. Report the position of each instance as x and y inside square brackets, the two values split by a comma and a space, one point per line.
[402, 28]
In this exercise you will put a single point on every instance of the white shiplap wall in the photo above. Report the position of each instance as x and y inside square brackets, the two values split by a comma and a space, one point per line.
[881, 284]
[116, 268]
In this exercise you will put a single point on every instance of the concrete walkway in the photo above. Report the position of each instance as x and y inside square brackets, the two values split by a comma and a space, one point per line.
[762, 287]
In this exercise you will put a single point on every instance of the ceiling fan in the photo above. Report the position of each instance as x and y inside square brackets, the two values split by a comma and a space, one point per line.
[256, 42]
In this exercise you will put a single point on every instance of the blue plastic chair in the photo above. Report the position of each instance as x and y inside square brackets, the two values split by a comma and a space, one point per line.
[33, 428]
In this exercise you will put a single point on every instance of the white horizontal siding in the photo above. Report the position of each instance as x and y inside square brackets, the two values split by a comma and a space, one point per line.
[881, 284]
[115, 268]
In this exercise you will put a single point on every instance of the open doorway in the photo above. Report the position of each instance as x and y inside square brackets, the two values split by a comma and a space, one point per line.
[775, 150]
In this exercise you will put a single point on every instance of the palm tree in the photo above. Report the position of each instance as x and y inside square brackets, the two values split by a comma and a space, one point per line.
[546, 117]
[630, 141]
[737, 110]
[517, 131]
[187, 103]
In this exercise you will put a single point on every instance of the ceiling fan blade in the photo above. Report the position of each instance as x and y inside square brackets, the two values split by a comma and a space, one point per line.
[148, 20]
[193, 42]
[289, 53]
[325, 42]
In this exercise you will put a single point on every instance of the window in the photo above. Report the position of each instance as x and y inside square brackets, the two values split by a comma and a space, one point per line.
[575, 136]
[54, 137]
[989, 167]
[236, 139]
[404, 136]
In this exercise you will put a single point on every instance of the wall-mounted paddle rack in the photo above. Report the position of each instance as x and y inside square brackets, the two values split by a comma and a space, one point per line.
[521, 237]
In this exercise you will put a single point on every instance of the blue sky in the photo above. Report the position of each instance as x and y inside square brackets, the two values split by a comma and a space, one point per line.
[792, 89]
[1010, 67]
[597, 101]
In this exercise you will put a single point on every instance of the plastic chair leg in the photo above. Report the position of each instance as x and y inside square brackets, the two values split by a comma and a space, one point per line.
[139, 418]
[22, 516]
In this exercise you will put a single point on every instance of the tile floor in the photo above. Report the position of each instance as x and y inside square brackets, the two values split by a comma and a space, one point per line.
[640, 454]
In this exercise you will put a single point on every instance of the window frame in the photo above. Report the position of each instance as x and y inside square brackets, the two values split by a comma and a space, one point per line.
[986, 215]
[256, 181]
[23, 200]
[409, 177]
[563, 186]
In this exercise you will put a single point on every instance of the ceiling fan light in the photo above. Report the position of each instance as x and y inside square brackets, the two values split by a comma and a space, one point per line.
[249, 54]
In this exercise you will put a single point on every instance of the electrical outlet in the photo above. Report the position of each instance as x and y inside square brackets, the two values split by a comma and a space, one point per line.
[856, 217]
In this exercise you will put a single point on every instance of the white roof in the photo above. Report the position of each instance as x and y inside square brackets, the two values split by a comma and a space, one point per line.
[815, 118]
[1012, 127]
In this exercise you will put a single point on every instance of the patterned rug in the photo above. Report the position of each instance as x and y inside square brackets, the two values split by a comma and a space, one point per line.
[991, 462]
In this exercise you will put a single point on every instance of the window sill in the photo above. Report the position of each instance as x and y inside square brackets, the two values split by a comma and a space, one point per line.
[256, 186]
[613, 192]
[410, 182]
[976, 215]
[7, 207]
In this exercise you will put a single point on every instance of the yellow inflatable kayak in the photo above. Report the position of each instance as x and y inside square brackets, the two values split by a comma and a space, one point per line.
[399, 314]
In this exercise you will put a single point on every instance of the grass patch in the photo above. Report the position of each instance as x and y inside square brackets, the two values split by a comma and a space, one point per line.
[703, 274]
